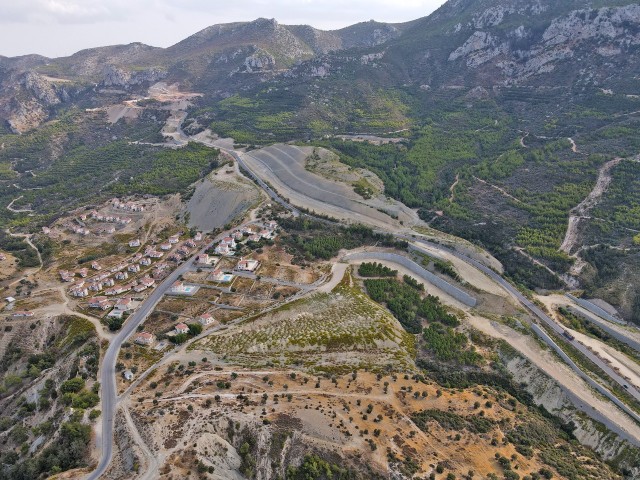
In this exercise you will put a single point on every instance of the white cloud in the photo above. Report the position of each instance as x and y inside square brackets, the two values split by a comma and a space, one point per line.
[61, 27]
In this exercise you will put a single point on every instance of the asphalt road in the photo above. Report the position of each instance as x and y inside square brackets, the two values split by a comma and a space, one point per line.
[529, 306]
[274, 196]
[557, 328]
[108, 370]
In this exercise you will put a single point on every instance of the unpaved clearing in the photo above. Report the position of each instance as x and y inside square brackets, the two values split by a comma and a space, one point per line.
[624, 365]
[546, 361]
[581, 210]
[219, 198]
[334, 416]
[284, 167]
[499, 189]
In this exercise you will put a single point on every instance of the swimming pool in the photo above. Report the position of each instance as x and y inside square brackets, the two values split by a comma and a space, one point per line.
[227, 277]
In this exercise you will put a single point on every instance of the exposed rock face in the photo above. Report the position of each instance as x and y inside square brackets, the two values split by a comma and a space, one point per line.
[613, 29]
[26, 115]
[548, 393]
[28, 98]
[42, 89]
[479, 48]
[260, 60]
[114, 76]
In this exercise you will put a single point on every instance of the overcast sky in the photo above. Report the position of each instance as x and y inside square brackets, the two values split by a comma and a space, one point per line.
[61, 27]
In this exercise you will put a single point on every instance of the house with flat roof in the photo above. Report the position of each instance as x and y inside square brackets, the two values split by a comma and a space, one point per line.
[206, 319]
[247, 265]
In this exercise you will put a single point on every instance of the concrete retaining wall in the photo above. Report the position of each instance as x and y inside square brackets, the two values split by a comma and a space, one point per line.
[412, 266]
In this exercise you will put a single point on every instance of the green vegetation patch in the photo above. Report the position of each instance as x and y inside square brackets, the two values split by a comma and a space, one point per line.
[407, 304]
[375, 269]
[453, 421]
[345, 320]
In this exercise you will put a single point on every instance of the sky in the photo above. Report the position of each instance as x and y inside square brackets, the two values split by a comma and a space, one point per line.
[55, 28]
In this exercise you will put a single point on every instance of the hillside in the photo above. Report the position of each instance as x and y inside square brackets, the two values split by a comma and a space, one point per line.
[511, 113]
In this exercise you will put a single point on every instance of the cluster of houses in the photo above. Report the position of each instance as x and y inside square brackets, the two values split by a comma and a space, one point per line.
[253, 233]
[108, 218]
[147, 339]
[127, 206]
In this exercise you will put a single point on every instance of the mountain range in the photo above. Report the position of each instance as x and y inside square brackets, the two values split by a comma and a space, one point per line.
[510, 111]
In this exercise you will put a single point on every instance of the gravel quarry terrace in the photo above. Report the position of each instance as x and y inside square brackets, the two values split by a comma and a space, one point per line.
[219, 198]
[284, 166]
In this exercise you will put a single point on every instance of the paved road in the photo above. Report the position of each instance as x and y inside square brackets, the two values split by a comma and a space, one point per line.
[274, 196]
[606, 326]
[529, 305]
[524, 301]
[108, 370]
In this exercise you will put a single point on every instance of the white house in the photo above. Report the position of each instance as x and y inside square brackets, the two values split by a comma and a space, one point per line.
[101, 303]
[219, 276]
[182, 328]
[179, 287]
[174, 239]
[134, 268]
[222, 250]
[128, 375]
[229, 241]
[134, 243]
[80, 292]
[206, 319]
[247, 265]
[198, 236]
[122, 276]
[203, 259]
[165, 246]
[124, 304]
[143, 338]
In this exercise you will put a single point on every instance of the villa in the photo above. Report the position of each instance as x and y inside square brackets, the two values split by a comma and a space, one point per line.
[134, 243]
[101, 303]
[219, 276]
[247, 265]
[222, 250]
[206, 319]
[203, 259]
[181, 328]
[143, 338]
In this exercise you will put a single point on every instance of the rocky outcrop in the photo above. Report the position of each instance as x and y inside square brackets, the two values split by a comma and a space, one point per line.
[479, 48]
[547, 393]
[259, 61]
[113, 76]
[613, 30]
[27, 99]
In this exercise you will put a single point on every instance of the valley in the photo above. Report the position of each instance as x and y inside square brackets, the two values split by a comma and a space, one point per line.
[267, 252]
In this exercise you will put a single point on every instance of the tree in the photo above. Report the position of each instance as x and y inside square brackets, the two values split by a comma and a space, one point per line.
[195, 329]
[73, 385]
